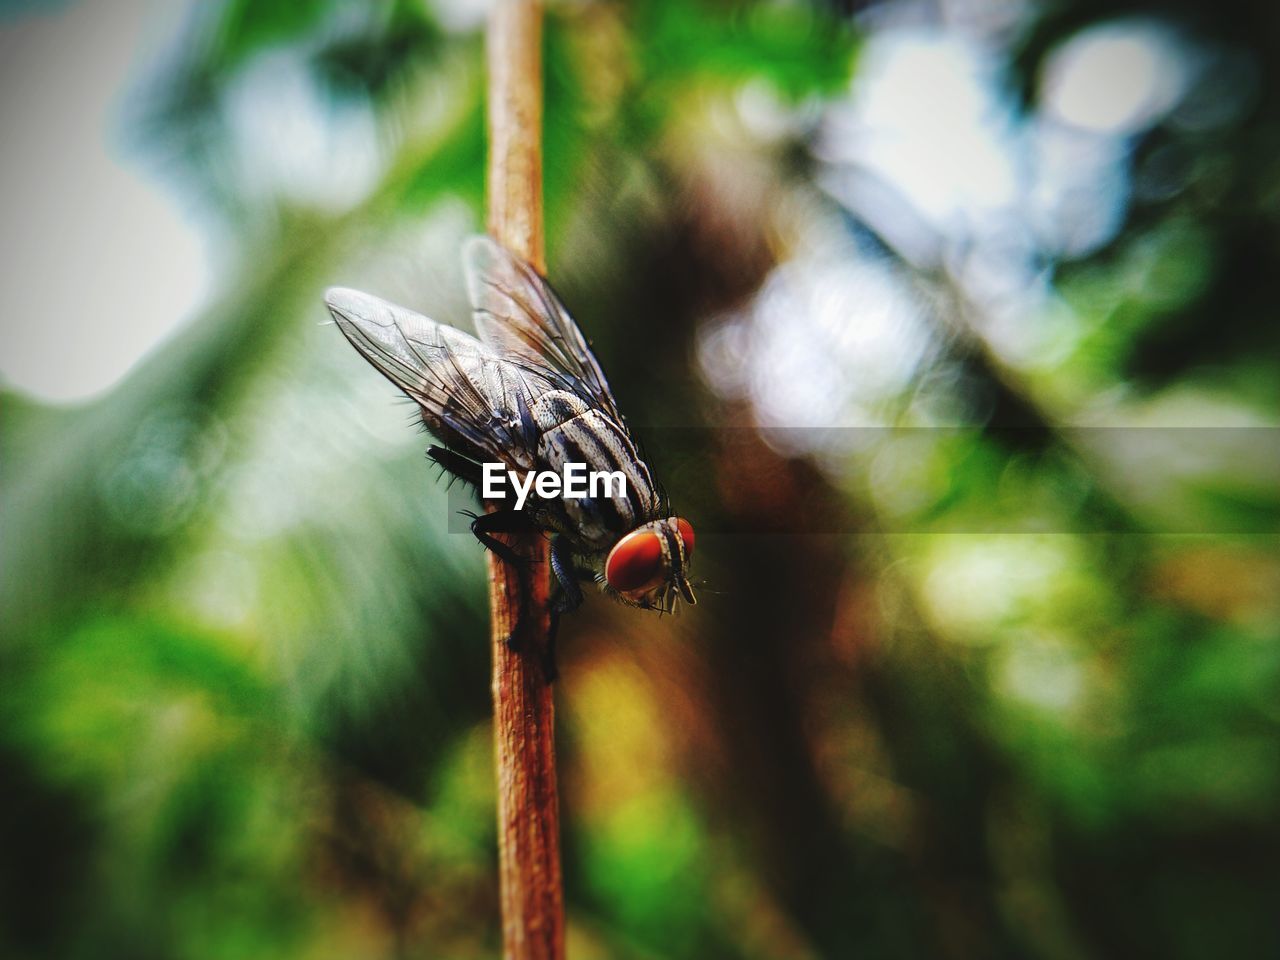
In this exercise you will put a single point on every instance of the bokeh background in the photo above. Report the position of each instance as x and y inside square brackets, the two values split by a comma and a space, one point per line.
[950, 324]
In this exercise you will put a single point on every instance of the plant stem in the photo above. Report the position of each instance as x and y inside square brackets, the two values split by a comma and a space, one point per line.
[528, 814]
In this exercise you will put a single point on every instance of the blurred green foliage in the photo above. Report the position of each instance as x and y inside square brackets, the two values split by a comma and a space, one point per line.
[995, 699]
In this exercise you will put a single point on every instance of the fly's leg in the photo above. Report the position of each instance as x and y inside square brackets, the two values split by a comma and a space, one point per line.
[568, 600]
[483, 526]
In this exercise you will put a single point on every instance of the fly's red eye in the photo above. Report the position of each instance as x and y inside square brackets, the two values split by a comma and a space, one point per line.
[686, 535]
[635, 562]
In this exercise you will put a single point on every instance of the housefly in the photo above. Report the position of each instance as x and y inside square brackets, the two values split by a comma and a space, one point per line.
[528, 393]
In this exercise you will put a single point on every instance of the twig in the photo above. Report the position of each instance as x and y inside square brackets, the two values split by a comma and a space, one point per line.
[528, 812]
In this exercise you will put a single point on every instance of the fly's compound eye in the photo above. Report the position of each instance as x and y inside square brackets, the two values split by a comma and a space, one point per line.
[635, 562]
[685, 529]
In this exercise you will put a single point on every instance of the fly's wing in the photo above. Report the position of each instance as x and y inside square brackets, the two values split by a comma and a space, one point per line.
[518, 314]
[474, 401]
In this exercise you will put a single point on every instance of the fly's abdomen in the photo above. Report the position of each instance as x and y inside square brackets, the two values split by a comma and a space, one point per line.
[626, 496]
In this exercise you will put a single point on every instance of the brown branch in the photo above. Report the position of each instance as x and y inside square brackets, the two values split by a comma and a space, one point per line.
[528, 812]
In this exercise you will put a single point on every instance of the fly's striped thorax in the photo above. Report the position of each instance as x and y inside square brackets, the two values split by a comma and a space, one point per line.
[582, 434]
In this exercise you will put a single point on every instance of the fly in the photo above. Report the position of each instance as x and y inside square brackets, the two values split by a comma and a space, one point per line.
[528, 393]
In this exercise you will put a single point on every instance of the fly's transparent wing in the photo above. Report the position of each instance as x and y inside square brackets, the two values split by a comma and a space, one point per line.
[518, 314]
[473, 400]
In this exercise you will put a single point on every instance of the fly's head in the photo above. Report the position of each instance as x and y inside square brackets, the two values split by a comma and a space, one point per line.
[649, 567]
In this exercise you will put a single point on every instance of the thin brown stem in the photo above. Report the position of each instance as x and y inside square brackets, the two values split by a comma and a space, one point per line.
[528, 812]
